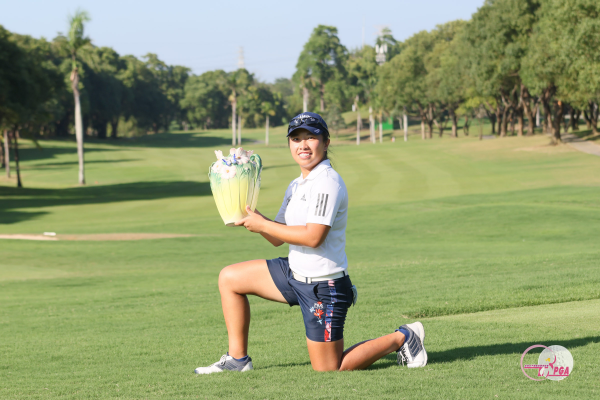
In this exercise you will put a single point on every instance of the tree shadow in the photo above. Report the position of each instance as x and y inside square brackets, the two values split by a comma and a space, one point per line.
[68, 164]
[15, 201]
[471, 352]
[176, 140]
[28, 153]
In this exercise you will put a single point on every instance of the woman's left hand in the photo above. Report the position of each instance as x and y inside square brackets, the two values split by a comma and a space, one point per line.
[254, 222]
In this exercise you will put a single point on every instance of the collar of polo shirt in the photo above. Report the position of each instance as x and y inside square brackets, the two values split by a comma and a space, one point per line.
[316, 171]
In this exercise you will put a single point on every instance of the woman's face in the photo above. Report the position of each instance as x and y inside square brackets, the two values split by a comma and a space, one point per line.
[307, 149]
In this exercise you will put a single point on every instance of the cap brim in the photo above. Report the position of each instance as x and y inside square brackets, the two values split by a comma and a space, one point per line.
[311, 129]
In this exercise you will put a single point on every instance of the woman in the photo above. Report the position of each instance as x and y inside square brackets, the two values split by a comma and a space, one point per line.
[312, 219]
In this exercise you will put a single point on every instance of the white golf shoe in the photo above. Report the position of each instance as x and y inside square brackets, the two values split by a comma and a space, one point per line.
[412, 351]
[226, 363]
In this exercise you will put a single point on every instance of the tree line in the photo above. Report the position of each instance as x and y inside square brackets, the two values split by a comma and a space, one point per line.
[513, 61]
[520, 63]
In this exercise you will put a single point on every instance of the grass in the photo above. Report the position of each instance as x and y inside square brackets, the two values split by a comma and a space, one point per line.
[491, 244]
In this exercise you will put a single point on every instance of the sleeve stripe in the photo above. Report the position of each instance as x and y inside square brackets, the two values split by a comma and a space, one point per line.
[321, 204]
[325, 205]
[317, 207]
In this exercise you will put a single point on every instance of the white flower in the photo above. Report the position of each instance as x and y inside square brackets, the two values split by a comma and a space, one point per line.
[249, 153]
[239, 152]
[228, 171]
[231, 151]
[217, 166]
[243, 160]
[219, 154]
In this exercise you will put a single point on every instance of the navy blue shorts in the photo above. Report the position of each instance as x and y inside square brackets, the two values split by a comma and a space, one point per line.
[324, 304]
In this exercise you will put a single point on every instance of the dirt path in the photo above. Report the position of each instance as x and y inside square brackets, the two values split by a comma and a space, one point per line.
[581, 145]
[100, 236]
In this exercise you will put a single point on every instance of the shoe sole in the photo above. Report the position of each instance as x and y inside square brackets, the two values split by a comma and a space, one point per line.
[417, 327]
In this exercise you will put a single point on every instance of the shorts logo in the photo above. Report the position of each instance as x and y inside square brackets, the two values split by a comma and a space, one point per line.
[317, 310]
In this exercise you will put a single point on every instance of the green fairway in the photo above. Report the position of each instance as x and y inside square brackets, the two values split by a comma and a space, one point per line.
[492, 244]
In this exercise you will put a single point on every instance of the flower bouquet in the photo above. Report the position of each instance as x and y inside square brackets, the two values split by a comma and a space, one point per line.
[235, 183]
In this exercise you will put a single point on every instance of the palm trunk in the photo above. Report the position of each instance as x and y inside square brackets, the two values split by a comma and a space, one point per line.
[239, 141]
[405, 125]
[267, 131]
[358, 121]
[7, 153]
[380, 127]
[15, 136]
[371, 125]
[78, 125]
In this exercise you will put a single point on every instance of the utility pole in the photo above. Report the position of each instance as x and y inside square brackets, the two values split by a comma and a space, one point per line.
[241, 64]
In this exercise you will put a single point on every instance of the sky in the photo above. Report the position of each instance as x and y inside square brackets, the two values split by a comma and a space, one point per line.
[206, 35]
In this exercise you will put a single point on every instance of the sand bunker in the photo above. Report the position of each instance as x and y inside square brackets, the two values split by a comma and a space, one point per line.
[99, 236]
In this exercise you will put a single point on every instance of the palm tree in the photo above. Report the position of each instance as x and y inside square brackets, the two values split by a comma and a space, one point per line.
[75, 41]
[236, 82]
[268, 109]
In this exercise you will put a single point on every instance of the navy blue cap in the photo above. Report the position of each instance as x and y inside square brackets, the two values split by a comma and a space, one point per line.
[312, 122]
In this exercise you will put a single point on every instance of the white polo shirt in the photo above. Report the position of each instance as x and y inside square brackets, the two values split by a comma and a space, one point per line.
[321, 198]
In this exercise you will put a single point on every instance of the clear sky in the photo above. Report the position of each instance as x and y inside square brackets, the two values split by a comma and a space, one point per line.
[205, 35]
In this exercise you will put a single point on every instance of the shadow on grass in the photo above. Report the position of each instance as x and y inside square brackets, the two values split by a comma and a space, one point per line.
[29, 153]
[13, 199]
[69, 164]
[177, 140]
[471, 352]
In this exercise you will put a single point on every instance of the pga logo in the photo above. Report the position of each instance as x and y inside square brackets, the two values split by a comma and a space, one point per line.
[554, 363]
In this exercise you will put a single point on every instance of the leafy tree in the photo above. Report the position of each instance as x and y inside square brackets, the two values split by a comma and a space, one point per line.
[363, 74]
[103, 66]
[403, 81]
[206, 100]
[26, 85]
[446, 71]
[563, 63]
[321, 60]
[499, 37]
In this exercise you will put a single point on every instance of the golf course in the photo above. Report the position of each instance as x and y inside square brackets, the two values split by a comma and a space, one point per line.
[491, 244]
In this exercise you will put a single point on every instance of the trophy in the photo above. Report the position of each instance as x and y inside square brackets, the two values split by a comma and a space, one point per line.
[235, 183]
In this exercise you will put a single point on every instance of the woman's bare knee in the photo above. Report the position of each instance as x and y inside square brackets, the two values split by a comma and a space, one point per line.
[227, 278]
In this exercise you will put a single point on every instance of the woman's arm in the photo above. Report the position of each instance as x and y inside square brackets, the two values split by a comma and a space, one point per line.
[311, 235]
[274, 241]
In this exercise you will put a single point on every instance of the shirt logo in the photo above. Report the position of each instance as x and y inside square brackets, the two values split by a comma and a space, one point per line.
[321, 207]
[303, 198]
